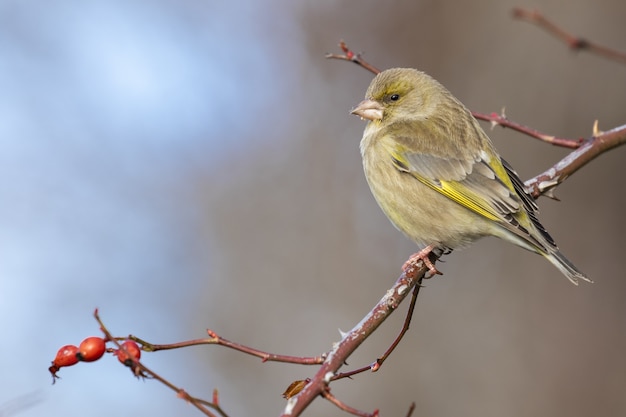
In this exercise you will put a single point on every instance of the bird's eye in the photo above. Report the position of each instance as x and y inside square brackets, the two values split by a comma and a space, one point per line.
[394, 97]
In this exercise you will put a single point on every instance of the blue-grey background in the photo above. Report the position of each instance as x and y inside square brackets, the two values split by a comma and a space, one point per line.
[190, 165]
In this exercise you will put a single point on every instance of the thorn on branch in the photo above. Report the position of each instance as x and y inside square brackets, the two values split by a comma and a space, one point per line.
[596, 129]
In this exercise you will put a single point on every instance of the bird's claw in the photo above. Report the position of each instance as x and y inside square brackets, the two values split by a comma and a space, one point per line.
[424, 256]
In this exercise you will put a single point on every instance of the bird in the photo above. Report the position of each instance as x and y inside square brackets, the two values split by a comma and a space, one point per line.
[437, 176]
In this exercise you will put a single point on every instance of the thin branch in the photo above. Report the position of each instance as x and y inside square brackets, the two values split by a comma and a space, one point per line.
[266, 356]
[349, 55]
[345, 407]
[411, 409]
[574, 42]
[379, 361]
[405, 328]
[501, 120]
[215, 339]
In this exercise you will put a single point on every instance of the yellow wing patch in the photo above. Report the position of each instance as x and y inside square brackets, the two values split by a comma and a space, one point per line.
[454, 190]
[460, 194]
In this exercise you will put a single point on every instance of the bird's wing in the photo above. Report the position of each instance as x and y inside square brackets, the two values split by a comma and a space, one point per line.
[484, 184]
[529, 202]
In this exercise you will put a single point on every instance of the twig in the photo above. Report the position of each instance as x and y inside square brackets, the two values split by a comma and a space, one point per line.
[574, 42]
[379, 361]
[345, 407]
[411, 409]
[405, 328]
[215, 339]
[501, 120]
[349, 55]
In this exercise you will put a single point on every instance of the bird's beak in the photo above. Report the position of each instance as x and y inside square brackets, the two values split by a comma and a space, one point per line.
[369, 109]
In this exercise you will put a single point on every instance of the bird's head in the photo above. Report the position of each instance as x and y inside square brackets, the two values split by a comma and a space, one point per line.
[399, 94]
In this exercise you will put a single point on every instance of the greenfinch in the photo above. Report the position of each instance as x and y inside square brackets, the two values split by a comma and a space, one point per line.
[436, 175]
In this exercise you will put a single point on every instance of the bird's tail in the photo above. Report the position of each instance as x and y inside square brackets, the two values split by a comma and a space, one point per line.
[566, 267]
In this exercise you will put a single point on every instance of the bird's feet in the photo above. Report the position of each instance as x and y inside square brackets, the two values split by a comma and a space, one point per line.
[424, 256]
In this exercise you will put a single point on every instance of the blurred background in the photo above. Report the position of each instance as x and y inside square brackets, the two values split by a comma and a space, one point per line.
[193, 164]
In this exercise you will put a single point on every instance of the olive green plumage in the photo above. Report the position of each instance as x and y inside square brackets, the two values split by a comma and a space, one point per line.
[436, 175]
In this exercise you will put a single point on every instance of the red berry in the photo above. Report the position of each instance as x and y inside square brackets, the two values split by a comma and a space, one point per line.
[66, 356]
[91, 349]
[133, 352]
